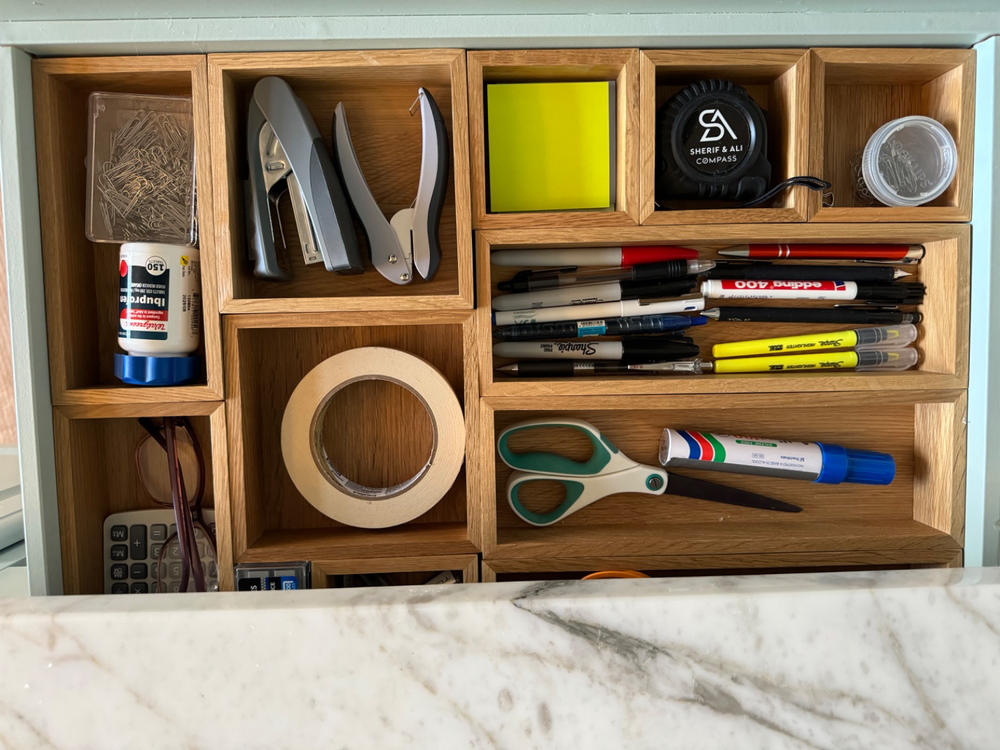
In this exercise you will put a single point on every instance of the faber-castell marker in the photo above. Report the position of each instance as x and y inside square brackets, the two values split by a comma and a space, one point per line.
[866, 274]
[857, 315]
[622, 309]
[599, 327]
[817, 462]
[899, 293]
[836, 252]
[586, 294]
[869, 359]
[882, 337]
[625, 256]
[644, 349]
[529, 281]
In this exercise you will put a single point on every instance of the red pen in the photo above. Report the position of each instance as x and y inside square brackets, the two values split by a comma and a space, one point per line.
[900, 253]
[623, 257]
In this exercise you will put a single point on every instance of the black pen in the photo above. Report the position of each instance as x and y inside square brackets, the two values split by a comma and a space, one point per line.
[566, 329]
[530, 281]
[588, 294]
[643, 349]
[866, 274]
[852, 314]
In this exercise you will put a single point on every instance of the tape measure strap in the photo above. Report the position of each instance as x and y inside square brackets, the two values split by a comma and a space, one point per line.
[335, 495]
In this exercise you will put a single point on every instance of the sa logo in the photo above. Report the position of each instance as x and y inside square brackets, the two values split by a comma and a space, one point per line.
[715, 126]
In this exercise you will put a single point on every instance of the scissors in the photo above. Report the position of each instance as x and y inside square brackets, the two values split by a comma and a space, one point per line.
[608, 471]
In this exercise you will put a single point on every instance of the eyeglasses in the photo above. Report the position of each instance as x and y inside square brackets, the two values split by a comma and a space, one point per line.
[170, 465]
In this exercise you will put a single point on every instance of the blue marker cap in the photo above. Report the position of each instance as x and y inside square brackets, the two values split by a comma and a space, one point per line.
[139, 370]
[856, 466]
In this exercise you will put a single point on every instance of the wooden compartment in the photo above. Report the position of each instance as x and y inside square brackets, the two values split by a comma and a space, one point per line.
[777, 80]
[526, 66]
[81, 277]
[398, 571]
[96, 476]
[377, 89]
[382, 435]
[856, 91]
[944, 332]
[918, 519]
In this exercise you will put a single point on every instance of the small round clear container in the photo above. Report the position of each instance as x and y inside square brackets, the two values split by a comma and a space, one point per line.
[909, 161]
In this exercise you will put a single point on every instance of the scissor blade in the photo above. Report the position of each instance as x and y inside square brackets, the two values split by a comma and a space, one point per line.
[719, 493]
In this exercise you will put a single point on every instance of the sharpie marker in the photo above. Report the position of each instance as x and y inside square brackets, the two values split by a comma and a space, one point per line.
[599, 327]
[622, 309]
[898, 293]
[865, 360]
[858, 315]
[817, 462]
[884, 337]
[585, 294]
[625, 256]
[899, 253]
[645, 349]
[529, 281]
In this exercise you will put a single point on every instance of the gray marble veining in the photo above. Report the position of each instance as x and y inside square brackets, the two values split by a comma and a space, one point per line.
[866, 660]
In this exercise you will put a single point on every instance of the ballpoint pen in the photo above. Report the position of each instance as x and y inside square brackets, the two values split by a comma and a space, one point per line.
[810, 272]
[627, 255]
[529, 281]
[585, 294]
[880, 337]
[621, 309]
[898, 253]
[897, 293]
[866, 360]
[641, 349]
[598, 327]
[856, 314]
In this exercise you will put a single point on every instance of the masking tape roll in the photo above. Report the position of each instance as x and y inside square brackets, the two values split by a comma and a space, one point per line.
[329, 491]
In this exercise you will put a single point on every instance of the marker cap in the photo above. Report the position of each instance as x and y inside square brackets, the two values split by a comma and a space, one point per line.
[856, 466]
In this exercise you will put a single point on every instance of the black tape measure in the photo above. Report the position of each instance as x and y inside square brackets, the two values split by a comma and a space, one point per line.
[711, 144]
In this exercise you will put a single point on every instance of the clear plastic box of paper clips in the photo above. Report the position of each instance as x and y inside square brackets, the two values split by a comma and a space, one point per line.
[140, 169]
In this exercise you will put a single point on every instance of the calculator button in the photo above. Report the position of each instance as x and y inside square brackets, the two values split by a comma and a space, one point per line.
[172, 530]
[137, 541]
[154, 551]
[119, 588]
[175, 587]
[175, 570]
[158, 532]
[119, 533]
[174, 551]
[139, 570]
[119, 551]
[119, 572]
[140, 587]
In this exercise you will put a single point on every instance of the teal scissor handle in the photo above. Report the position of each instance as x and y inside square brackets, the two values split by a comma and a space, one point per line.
[574, 491]
[553, 463]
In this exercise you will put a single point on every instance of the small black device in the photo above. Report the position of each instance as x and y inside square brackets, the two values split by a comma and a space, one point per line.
[711, 144]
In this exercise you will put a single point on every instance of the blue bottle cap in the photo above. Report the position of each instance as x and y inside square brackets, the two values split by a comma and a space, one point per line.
[143, 370]
[859, 467]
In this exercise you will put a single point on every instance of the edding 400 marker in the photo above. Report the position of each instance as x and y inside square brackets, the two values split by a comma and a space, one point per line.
[895, 293]
[818, 462]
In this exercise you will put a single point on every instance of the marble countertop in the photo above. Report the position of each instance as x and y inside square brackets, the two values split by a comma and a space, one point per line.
[837, 660]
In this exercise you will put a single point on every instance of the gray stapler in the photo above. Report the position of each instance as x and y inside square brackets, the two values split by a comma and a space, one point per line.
[411, 237]
[284, 146]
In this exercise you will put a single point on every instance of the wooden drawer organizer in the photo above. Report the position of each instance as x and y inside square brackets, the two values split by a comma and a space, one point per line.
[262, 337]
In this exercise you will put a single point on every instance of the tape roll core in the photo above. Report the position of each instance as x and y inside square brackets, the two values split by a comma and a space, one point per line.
[341, 498]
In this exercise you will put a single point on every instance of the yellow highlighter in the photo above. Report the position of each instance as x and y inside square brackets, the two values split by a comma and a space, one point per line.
[866, 359]
[881, 337]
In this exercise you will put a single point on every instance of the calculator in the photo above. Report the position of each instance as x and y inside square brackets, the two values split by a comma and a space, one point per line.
[133, 541]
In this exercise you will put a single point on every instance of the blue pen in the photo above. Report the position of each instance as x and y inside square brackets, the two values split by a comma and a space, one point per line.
[601, 327]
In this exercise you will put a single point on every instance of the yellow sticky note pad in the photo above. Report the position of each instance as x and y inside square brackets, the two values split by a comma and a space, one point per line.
[550, 145]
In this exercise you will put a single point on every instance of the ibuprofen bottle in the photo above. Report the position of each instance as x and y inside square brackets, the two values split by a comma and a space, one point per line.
[159, 313]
